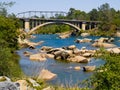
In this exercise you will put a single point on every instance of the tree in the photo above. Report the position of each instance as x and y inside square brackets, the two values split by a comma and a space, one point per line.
[94, 15]
[77, 14]
[4, 6]
[105, 15]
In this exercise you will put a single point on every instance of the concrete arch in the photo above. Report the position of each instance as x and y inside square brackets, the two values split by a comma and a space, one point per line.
[48, 23]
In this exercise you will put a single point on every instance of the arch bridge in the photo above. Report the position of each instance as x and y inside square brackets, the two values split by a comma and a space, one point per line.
[30, 23]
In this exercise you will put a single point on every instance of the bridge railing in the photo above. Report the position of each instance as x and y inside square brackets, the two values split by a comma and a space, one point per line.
[40, 14]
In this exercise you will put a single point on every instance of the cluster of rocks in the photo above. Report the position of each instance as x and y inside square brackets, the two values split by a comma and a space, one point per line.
[28, 43]
[101, 42]
[24, 84]
[70, 53]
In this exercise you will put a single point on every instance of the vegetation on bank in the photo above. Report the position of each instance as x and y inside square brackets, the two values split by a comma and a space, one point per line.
[9, 60]
[52, 29]
[107, 77]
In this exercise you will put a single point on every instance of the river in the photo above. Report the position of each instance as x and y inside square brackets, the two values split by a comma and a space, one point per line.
[65, 73]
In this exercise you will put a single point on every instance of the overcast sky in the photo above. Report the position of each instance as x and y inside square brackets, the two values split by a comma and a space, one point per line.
[59, 5]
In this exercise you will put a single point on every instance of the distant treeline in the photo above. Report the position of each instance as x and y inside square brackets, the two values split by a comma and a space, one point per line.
[109, 16]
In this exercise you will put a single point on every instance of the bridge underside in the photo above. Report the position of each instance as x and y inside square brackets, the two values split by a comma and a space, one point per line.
[31, 25]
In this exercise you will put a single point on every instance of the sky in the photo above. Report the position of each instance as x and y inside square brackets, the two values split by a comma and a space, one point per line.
[59, 5]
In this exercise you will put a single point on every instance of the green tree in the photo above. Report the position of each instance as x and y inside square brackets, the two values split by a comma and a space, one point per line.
[9, 61]
[94, 15]
[4, 6]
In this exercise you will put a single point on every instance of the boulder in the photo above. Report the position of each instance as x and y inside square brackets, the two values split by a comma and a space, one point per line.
[8, 85]
[65, 35]
[117, 34]
[71, 47]
[46, 48]
[87, 55]
[33, 82]
[50, 56]
[48, 88]
[46, 75]
[85, 34]
[77, 68]
[4, 78]
[76, 51]
[38, 57]
[27, 53]
[111, 40]
[61, 55]
[88, 68]
[85, 40]
[79, 59]
[103, 40]
[23, 84]
[114, 50]
[100, 44]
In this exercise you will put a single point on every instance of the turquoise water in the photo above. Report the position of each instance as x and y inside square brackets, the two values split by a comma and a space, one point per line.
[65, 72]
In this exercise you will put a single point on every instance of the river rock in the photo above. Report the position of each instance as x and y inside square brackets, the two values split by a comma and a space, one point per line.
[71, 47]
[38, 57]
[76, 51]
[33, 82]
[77, 68]
[46, 75]
[27, 53]
[88, 68]
[23, 84]
[100, 44]
[87, 54]
[65, 35]
[85, 34]
[48, 88]
[79, 59]
[46, 48]
[114, 50]
[50, 56]
[8, 85]
[117, 34]
[85, 40]
[61, 55]
[4, 78]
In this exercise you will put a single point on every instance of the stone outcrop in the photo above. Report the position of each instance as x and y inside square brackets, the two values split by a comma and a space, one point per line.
[85, 40]
[70, 53]
[27, 53]
[7, 84]
[117, 34]
[46, 75]
[102, 40]
[79, 59]
[101, 44]
[77, 68]
[64, 35]
[23, 84]
[27, 43]
[38, 57]
[115, 50]
[88, 68]
[85, 34]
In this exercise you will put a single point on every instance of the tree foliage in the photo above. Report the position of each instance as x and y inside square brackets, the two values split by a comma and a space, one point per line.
[109, 79]
[9, 61]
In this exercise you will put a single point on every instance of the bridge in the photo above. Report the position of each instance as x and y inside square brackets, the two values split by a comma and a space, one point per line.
[32, 20]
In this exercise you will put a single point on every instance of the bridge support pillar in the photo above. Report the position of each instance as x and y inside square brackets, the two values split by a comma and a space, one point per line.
[27, 25]
[83, 26]
[90, 27]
